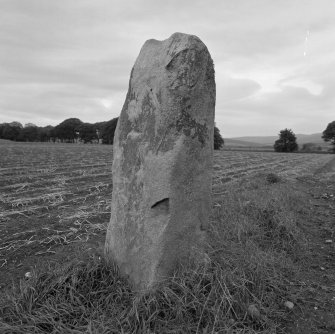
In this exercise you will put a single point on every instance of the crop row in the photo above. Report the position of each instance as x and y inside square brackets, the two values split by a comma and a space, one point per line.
[52, 194]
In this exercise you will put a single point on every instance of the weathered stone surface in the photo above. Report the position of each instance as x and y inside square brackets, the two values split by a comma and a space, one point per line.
[163, 148]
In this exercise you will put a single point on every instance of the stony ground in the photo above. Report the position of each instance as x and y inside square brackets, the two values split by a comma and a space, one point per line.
[315, 293]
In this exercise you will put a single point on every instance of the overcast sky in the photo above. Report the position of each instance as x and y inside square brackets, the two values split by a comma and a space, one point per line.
[274, 60]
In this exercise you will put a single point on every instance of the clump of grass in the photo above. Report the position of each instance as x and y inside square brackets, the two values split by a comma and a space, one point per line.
[272, 178]
[91, 297]
[248, 262]
[63, 298]
[267, 215]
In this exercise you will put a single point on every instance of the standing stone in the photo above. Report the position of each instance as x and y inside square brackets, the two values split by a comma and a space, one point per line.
[163, 152]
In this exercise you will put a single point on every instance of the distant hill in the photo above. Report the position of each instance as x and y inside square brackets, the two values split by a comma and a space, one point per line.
[241, 143]
[313, 138]
[269, 140]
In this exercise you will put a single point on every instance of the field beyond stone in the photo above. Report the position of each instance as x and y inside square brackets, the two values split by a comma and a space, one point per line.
[55, 206]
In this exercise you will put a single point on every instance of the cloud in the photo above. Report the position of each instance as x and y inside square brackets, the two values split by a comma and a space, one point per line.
[235, 89]
[292, 107]
[61, 59]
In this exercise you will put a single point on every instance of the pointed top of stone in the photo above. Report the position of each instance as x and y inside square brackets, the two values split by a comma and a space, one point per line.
[171, 46]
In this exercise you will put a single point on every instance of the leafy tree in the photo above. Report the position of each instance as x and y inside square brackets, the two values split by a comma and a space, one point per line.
[11, 131]
[218, 140]
[87, 132]
[46, 133]
[27, 125]
[287, 142]
[16, 125]
[2, 127]
[30, 132]
[108, 130]
[329, 134]
[68, 130]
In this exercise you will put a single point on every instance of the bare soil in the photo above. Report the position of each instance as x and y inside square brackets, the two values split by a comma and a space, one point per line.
[55, 202]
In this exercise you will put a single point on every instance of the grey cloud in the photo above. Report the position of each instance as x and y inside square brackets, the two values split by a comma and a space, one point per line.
[292, 107]
[232, 89]
[61, 59]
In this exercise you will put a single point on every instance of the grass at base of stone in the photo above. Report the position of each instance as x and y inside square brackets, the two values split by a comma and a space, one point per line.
[240, 286]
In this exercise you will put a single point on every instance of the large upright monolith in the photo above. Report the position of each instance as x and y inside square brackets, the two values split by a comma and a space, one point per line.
[162, 166]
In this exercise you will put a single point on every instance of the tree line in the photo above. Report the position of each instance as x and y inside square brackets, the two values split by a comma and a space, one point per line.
[74, 130]
[70, 131]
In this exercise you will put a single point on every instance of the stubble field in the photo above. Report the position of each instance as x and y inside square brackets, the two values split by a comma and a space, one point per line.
[55, 198]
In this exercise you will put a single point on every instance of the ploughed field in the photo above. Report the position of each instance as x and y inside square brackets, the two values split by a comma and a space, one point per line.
[54, 197]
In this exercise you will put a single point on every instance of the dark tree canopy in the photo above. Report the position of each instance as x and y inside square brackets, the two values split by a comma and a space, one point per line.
[16, 125]
[329, 134]
[46, 133]
[72, 129]
[287, 141]
[68, 129]
[218, 140]
[10, 131]
[87, 132]
[30, 132]
[108, 130]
